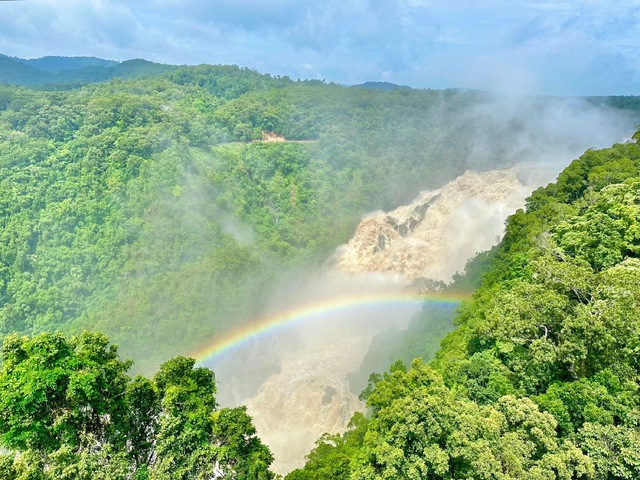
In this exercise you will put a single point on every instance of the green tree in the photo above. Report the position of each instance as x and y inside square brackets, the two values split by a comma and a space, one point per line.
[57, 392]
[239, 451]
[614, 449]
[194, 437]
[187, 397]
[332, 455]
[69, 411]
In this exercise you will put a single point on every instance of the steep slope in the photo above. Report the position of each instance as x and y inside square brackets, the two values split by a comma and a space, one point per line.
[545, 359]
[144, 209]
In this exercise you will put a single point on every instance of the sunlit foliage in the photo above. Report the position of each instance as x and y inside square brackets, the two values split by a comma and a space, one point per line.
[69, 410]
[541, 378]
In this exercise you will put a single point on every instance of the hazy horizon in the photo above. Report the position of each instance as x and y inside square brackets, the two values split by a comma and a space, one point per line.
[575, 47]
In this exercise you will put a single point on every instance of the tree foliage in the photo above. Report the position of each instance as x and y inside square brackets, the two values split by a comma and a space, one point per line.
[69, 410]
[541, 378]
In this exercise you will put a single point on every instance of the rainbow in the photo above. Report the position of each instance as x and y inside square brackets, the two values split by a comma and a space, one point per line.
[372, 303]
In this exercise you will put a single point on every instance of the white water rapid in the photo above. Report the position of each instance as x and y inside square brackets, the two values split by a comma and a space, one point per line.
[434, 236]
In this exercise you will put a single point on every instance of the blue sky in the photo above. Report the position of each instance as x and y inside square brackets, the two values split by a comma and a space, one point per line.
[574, 47]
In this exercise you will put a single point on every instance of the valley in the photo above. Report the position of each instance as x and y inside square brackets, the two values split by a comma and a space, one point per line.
[430, 239]
[272, 295]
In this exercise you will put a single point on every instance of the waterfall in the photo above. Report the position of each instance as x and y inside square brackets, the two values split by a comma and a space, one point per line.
[433, 237]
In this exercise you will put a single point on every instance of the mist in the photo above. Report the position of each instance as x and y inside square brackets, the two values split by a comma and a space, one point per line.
[303, 378]
[293, 378]
[547, 131]
[372, 194]
[298, 380]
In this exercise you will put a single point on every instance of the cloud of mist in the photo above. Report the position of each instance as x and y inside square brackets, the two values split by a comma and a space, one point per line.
[544, 131]
[540, 134]
[329, 308]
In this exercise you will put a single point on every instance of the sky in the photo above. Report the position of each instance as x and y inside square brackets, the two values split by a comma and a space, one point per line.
[573, 47]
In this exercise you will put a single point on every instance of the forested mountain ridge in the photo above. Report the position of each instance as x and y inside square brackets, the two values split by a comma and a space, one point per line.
[67, 72]
[148, 210]
[59, 64]
[540, 379]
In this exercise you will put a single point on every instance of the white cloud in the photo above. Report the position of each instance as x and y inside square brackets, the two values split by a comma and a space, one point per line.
[73, 27]
[424, 43]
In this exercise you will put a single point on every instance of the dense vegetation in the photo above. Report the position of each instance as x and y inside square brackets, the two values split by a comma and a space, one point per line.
[69, 411]
[147, 209]
[147, 206]
[540, 379]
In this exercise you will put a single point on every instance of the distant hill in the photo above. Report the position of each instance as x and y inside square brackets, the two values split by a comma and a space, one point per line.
[387, 86]
[59, 64]
[14, 72]
[68, 71]
[620, 102]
